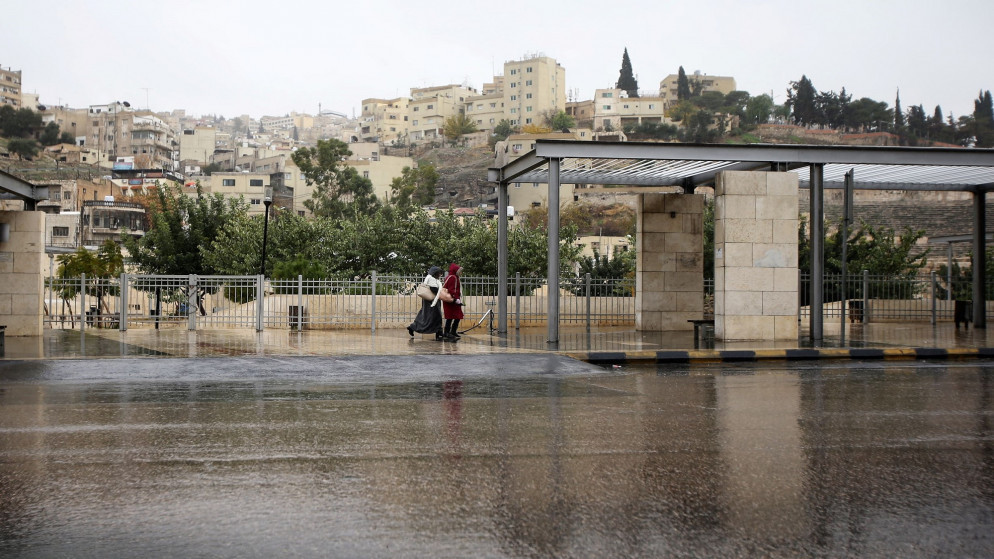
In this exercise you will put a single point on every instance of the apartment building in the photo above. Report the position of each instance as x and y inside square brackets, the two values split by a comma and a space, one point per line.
[486, 111]
[533, 87]
[384, 120]
[613, 109]
[431, 106]
[722, 84]
[250, 186]
[198, 144]
[10, 87]
[522, 196]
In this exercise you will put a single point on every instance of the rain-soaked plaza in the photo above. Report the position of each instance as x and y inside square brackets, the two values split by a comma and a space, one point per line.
[516, 455]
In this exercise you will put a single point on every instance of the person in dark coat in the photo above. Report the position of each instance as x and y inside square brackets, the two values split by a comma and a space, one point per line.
[429, 319]
[452, 312]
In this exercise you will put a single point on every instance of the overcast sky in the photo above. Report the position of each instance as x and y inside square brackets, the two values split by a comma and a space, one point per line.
[270, 58]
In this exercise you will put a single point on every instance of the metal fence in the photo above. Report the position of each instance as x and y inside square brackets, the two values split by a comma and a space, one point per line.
[196, 302]
[878, 298]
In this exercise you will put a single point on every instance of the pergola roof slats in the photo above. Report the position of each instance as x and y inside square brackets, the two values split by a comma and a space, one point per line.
[652, 164]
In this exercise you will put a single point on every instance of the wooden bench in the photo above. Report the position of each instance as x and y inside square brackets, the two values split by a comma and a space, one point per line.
[699, 327]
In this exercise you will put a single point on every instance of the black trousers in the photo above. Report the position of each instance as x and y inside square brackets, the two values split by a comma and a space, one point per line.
[451, 325]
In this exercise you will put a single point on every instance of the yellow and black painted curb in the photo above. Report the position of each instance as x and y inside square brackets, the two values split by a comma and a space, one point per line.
[719, 356]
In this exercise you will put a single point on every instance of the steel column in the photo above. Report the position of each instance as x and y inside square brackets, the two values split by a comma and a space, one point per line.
[979, 259]
[817, 214]
[553, 287]
[502, 257]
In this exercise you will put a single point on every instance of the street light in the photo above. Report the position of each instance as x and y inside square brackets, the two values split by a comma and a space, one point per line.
[268, 201]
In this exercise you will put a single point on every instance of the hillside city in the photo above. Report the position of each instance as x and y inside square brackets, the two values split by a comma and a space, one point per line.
[106, 159]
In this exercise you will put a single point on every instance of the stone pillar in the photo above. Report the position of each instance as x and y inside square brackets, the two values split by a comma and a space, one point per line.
[755, 260]
[21, 273]
[669, 276]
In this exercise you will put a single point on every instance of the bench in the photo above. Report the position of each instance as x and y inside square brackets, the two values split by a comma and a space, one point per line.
[701, 326]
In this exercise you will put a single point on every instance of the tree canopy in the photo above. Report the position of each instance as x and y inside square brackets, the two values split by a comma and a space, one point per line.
[414, 187]
[456, 126]
[339, 189]
[626, 78]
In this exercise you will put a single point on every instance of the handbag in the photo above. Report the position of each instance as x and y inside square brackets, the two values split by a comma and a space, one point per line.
[445, 296]
[424, 292]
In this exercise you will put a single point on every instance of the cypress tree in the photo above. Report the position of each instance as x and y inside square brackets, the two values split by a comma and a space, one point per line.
[682, 85]
[898, 114]
[626, 79]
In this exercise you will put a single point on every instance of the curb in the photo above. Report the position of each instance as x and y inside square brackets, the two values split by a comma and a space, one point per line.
[727, 356]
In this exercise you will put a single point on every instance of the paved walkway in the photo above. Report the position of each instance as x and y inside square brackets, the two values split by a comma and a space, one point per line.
[606, 345]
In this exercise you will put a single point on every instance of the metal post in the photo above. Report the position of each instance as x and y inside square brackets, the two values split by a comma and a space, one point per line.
[866, 296]
[372, 305]
[586, 281]
[191, 303]
[82, 302]
[122, 320]
[502, 204]
[300, 302]
[517, 300]
[935, 280]
[553, 286]
[260, 305]
[949, 271]
[846, 218]
[817, 199]
[979, 258]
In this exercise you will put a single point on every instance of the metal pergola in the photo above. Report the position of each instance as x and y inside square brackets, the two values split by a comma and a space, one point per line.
[12, 187]
[688, 166]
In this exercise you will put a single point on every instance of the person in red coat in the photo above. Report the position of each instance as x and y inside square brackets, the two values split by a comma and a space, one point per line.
[452, 312]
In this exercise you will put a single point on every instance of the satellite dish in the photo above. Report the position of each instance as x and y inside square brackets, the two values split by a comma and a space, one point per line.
[126, 104]
[41, 107]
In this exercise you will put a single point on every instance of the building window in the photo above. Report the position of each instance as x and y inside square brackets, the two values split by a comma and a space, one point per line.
[365, 174]
[534, 185]
[415, 123]
[416, 109]
[493, 105]
[255, 182]
[607, 94]
[528, 95]
[514, 84]
[513, 110]
[652, 106]
[517, 185]
[256, 201]
[514, 71]
[430, 107]
[60, 231]
[528, 69]
[514, 98]
[607, 107]
[528, 109]
[625, 106]
[227, 182]
[528, 82]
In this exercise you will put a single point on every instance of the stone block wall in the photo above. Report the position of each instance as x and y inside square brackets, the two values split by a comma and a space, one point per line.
[669, 275]
[755, 239]
[22, 258]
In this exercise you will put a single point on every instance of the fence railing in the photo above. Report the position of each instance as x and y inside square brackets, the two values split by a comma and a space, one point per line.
[195, 302]
[879, 298]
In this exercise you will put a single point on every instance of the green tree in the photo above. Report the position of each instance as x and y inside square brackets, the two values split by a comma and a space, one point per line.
[983, 120]
[682, 86]
[898, 115]
[50, 134]
[759, 109]
[503, 129]
[106, 263]
[560, 121]
[339, 190]
[414, 186]
[801, 99]
[20, 123]
[456, 126]
[24, 148]
[66, 138]
[181, 229]
[626, 79]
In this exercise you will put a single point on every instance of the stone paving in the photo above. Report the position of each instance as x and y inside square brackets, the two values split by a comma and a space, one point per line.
[618, 344]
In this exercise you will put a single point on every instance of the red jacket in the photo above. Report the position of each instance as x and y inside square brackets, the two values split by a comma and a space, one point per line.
[452, 310]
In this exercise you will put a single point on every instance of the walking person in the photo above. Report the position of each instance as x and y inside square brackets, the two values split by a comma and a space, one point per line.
[452, 312]
[429, 319]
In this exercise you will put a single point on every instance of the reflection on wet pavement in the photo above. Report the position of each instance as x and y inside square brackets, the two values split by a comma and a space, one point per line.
[451, 458]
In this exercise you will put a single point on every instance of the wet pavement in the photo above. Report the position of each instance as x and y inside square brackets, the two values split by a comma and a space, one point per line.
[489, 452]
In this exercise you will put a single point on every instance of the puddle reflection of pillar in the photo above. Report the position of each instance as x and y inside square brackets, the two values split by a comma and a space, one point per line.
[760, 442]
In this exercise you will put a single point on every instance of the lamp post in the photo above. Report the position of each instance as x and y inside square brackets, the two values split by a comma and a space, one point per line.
[268, 201]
